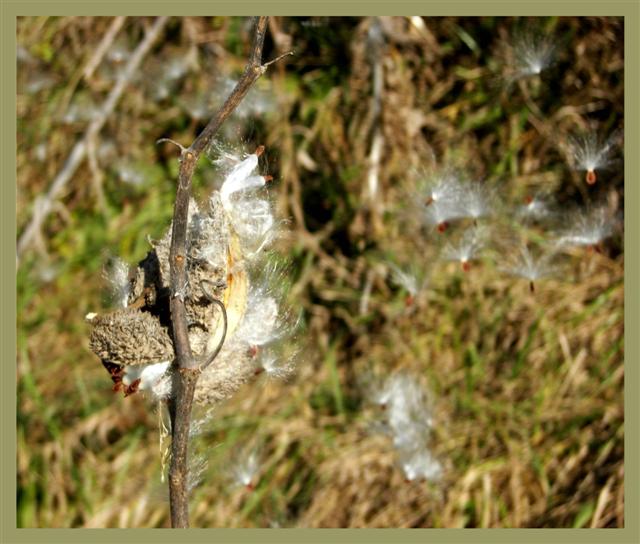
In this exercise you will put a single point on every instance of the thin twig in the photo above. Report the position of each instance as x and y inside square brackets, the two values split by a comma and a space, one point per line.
[96, 172]
[102, 48]
[376, 41]
[188, 368]
[278, 58]
[79, 151]
[285, 136]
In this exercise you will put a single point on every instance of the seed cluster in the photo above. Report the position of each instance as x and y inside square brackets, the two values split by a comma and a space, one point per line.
[227, 243]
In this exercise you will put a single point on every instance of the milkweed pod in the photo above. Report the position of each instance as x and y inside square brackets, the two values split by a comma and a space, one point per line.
[234, 296]
[130, 337]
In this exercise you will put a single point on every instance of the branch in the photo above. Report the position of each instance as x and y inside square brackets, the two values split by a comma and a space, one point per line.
[103, 47]
[376, 42]
[188, 368]
[79, 151]
[252, 72]
[188, 160]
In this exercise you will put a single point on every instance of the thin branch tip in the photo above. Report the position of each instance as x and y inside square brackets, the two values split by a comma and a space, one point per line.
[182, 148]
[279, 57]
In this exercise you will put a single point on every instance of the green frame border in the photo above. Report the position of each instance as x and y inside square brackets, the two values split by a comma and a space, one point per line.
[10, 9]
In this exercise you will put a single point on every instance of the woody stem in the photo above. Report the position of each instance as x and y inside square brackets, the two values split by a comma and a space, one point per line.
[186, 370]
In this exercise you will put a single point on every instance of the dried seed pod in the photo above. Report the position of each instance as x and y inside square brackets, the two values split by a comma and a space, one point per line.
[140, 333]
[231, 369]
[221, 240]
[235, 294]
[130, 337]
[215, 259]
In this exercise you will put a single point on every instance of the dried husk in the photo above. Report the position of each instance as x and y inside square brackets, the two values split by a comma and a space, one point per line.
[140, 333]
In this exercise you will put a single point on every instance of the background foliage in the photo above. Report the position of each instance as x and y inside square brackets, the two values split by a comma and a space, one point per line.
[527, 387]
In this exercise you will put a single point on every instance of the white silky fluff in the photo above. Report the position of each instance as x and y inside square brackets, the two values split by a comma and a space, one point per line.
[151, 377]
[240, 179]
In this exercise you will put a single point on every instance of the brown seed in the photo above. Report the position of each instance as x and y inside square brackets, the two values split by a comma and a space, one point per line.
[443, 226]
[132, 388]
[591, 177]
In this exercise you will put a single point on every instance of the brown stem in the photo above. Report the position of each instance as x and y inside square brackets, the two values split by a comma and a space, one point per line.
[187, 371]
[253, 70]
[184, 386]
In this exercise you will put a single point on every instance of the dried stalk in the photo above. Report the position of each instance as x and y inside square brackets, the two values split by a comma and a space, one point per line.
[377, 142]
[187, 368]
[103, 47]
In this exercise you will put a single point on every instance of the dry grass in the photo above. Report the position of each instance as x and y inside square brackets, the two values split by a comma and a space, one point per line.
[527, 388]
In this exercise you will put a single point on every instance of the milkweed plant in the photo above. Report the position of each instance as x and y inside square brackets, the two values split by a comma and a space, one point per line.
[228, 259]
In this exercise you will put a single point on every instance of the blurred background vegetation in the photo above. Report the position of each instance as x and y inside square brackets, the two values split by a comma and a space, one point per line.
[527, 388]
